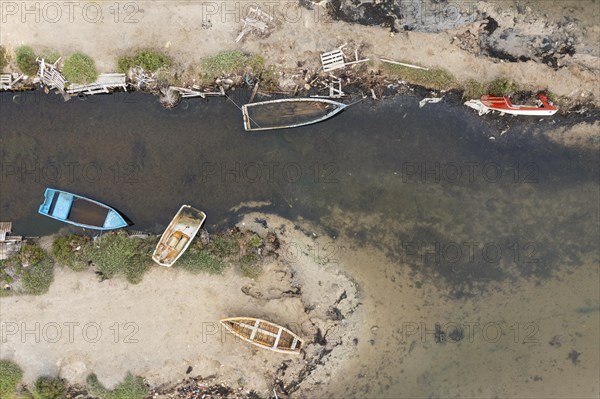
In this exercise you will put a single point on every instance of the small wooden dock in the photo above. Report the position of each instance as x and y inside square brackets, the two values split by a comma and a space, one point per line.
[9, 245]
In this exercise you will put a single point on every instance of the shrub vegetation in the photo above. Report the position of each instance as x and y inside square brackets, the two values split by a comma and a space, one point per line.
[80, 68]
[72, 251]
[26, 60]
[132, 387]
[502, 87]
[49, 388]
[10, 376]
[149, 60]
[118, 254]
[3, 58]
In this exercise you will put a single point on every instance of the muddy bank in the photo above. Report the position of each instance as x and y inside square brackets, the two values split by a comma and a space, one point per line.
[535, 46]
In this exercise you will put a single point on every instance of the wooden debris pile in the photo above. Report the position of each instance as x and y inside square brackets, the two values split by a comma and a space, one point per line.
[106, 83]
[9, 245]
[336, 59]
[10, 81]
[50, 76]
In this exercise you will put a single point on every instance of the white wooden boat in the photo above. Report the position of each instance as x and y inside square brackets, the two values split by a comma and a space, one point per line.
[264, 334]
[288, 113]
[178, 236]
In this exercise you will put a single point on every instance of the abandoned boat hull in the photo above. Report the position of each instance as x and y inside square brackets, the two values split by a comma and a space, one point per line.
[264, 334]
[80, 211]
[503, 104]
[288, 113]
[178, 235]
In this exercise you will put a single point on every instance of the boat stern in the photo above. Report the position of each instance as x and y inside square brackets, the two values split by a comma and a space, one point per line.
[49, 194]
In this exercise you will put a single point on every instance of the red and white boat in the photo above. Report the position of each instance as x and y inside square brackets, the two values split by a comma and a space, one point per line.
[503, 104]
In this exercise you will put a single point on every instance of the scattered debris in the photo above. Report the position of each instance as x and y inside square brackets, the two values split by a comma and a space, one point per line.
[478, 106]
[335, 90]
[195, 92]
[429, 100]
[51, 77]
[9, 80]
[9, 245]
[333, 60]
[256, 21]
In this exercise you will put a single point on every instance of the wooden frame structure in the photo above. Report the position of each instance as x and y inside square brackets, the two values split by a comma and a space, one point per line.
[264, 334]
[105, 83]
[50, 76]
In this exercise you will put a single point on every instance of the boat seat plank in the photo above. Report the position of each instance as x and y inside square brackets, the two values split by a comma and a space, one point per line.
[255, 329]
[278, 338]
[62, 206]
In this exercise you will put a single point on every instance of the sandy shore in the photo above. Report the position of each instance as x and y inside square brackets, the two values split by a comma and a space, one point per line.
[190, 30]
[170, 321]
[369, 324]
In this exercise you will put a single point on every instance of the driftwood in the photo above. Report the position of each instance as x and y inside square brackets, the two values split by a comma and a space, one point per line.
[189, 93]
[403, 64]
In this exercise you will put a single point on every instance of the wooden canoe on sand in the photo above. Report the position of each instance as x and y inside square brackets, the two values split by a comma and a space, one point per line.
[264, 334]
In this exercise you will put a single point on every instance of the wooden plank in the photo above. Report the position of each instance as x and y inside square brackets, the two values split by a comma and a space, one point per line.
[278, 337]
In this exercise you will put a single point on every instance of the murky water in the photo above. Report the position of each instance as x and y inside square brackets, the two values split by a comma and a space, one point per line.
[424, 185]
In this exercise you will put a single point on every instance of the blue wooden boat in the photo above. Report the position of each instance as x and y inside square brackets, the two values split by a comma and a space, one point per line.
[80, 211]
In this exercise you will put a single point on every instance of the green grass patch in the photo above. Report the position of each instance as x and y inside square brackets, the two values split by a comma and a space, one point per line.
[224, 245]
[3, 58]
[255, 241]
[436, 78]
[227, 62]
[26, 60]
[132, 387]
[198, 259]
[80, 68]
[149, 60]
[10, 376]
[49, 55]
[502, 87]
[474, 89]
[49, 388]
[118, 254]
[72, 251]
[37, 270]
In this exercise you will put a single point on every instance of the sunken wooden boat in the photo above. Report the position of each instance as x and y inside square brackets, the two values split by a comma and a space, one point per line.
[80, 211]
[288, 113]
[264, 334]
[503, 104]
[178, 236]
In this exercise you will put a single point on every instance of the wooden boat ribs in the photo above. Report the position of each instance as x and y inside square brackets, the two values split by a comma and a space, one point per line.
[264, 334]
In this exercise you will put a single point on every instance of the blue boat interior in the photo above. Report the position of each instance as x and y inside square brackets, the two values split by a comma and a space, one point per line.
[80, 211]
